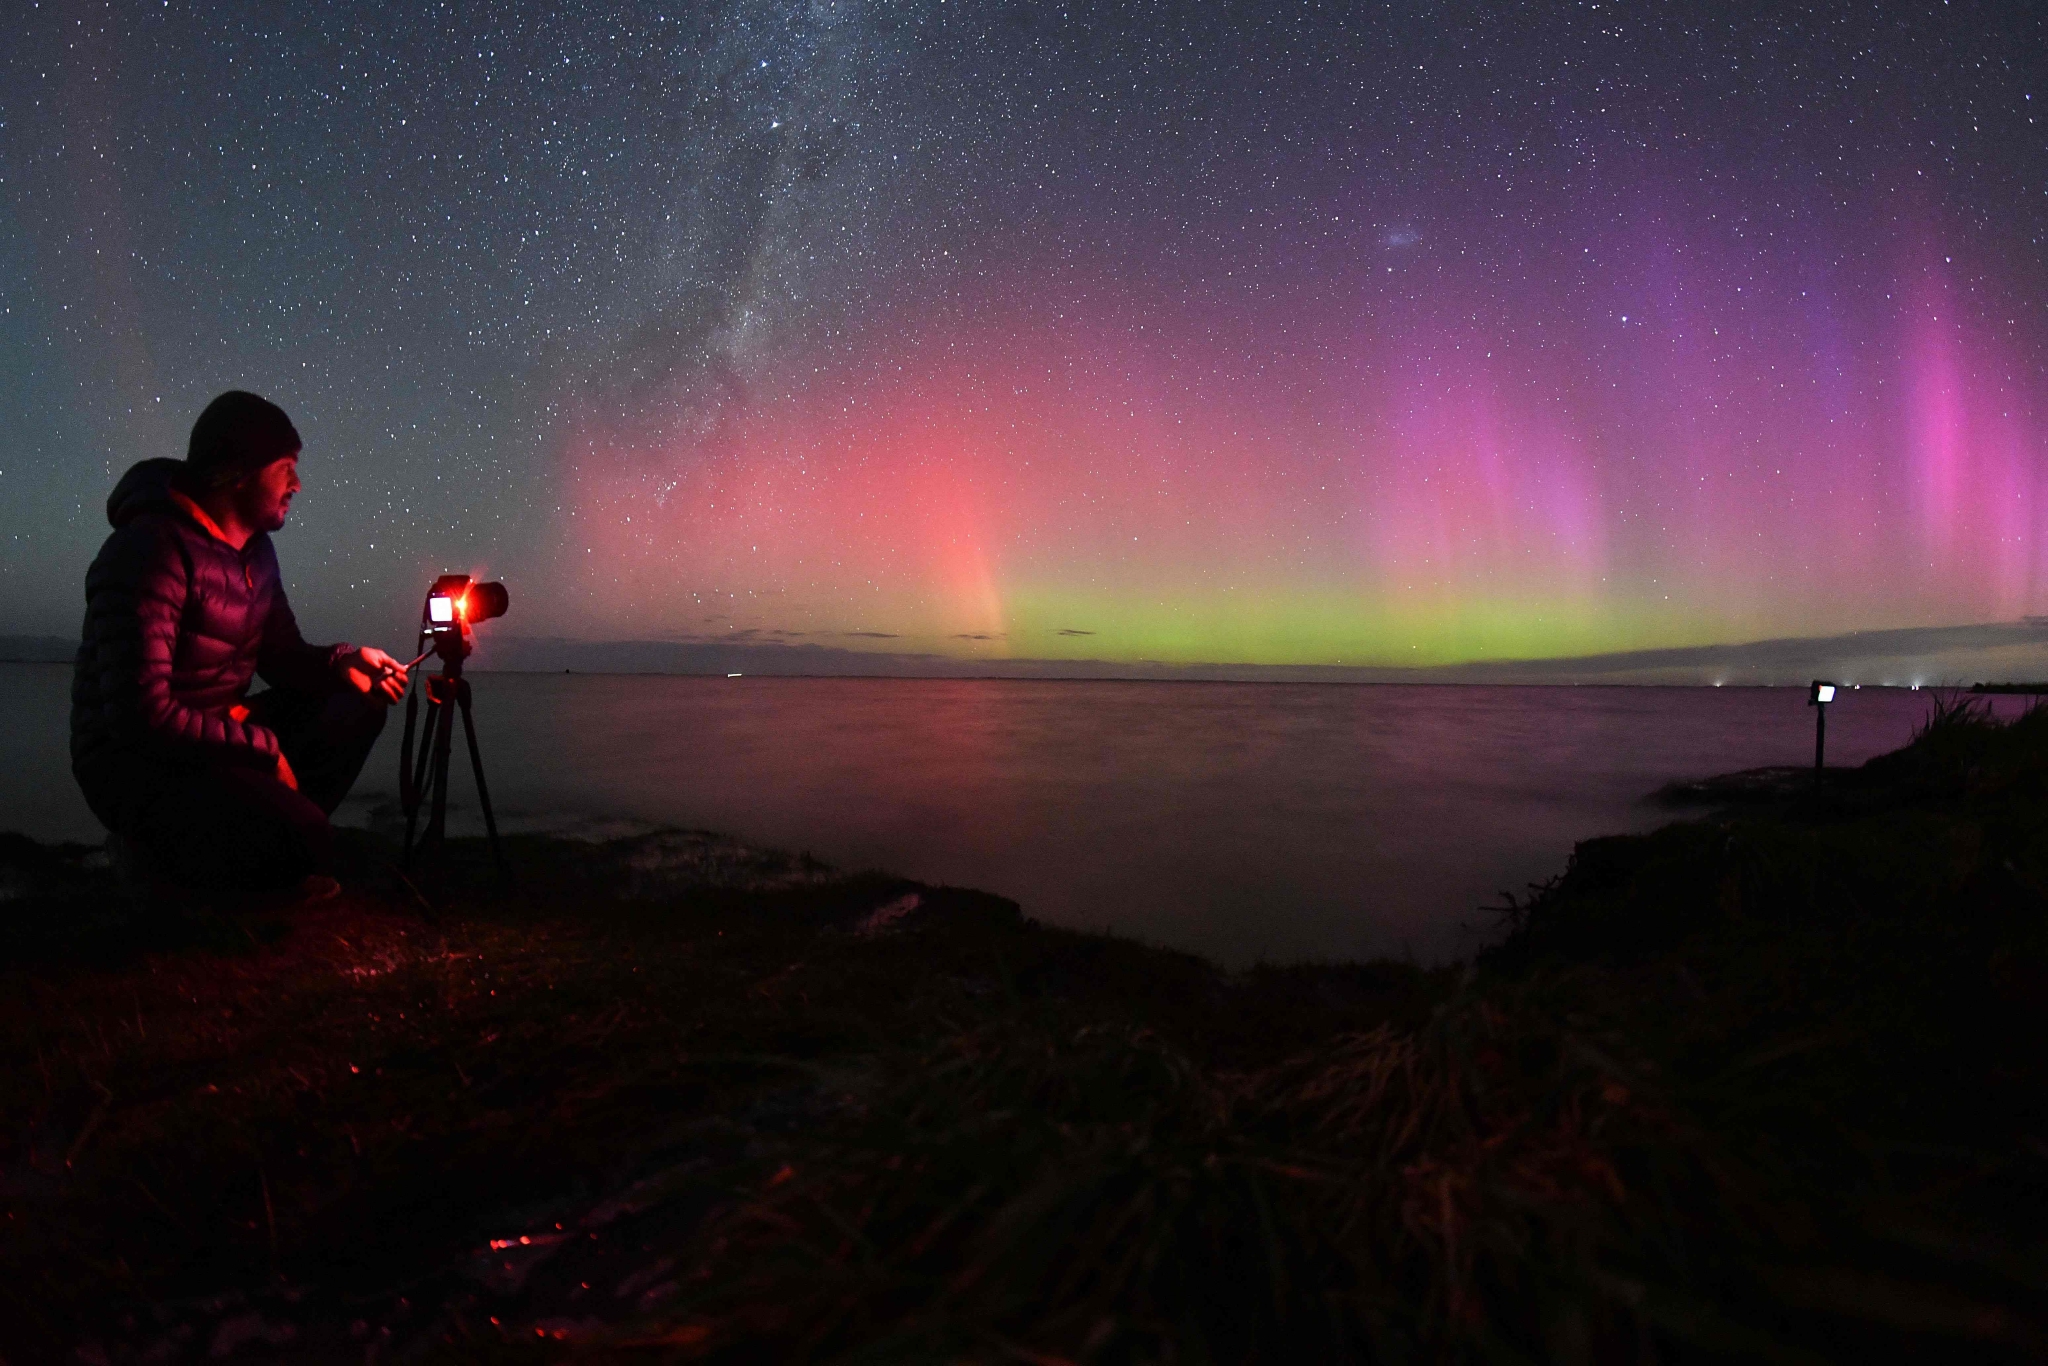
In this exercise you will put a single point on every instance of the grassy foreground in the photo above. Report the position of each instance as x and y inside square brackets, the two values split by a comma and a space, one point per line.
[1770, 1085]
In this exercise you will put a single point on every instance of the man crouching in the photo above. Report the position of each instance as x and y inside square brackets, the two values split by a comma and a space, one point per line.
[182, 607]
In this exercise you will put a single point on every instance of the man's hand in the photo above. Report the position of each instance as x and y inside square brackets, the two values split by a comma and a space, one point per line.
[285, 774]
[375, 674]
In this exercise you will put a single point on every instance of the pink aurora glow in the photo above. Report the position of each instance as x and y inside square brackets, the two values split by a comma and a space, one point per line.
[1686, 456]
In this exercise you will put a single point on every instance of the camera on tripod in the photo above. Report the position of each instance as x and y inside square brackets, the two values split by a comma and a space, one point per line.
[454, 605]
[457, 602]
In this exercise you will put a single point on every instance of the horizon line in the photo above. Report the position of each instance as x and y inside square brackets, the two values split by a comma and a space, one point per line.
[1768, 662]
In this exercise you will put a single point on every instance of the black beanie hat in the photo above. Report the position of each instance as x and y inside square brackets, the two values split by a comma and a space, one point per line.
[238, 434]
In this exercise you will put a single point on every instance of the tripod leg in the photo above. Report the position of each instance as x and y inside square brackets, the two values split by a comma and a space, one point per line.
[406, 800]
[437, 818]
[425, 757]
[476, 766]
[410, 773]
[419, 777]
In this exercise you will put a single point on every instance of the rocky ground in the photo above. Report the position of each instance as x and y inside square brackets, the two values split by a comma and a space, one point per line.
[1763, 1085]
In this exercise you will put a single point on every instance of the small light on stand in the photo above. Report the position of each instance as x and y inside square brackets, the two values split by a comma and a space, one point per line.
[1818, 698]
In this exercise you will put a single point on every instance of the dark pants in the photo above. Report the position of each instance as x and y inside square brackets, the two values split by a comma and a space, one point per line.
[226, 824]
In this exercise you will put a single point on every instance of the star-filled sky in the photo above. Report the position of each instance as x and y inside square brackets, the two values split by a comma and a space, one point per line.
[1227, 332]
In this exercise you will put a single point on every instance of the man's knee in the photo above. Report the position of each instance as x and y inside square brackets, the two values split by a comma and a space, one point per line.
[352, 719]
[331, 718]
[329, 752]
[375, 714]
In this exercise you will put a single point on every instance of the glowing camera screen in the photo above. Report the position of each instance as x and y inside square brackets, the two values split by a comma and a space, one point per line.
[440, 610]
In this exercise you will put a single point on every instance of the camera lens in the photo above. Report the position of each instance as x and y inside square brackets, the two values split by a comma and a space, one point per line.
[487, 600]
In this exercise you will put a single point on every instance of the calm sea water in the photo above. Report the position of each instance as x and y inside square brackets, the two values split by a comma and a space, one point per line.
[1246, 822]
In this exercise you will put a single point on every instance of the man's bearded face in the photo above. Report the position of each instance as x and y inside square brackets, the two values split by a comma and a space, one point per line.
[265, 497]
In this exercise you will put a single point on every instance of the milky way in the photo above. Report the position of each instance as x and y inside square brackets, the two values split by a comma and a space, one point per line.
[1264, 333]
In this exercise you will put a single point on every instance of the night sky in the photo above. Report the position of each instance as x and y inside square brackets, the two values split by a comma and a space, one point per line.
[1276, 333]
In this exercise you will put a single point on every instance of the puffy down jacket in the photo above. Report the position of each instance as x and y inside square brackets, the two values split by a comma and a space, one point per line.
[176, 623]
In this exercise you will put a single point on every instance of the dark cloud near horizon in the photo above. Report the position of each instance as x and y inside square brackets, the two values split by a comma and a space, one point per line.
[1921, 647]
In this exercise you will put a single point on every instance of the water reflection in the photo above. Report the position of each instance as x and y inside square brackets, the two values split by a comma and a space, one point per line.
[1243, 821]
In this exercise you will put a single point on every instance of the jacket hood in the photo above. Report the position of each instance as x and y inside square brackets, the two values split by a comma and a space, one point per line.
[145, 488]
